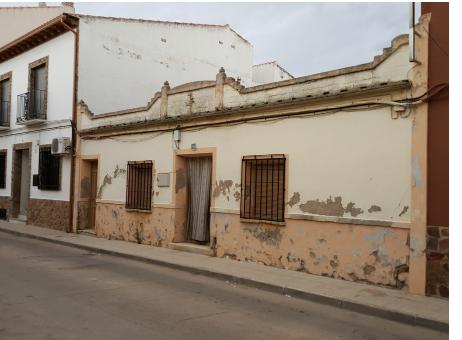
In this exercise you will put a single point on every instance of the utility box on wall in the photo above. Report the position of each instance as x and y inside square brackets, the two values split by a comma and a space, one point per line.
[163, 180]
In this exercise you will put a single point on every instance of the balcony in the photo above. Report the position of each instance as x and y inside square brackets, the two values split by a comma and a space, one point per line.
[4, 115]
[32, 107]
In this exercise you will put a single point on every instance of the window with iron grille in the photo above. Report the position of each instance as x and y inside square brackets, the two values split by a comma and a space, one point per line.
[263, 187]
[139, 185]
[2, 169]
[49, 170]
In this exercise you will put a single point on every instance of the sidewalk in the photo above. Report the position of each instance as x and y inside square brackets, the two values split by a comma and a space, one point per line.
[383, 302]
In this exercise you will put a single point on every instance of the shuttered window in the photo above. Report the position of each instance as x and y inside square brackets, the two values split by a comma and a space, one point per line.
[139, 185]
[2, 169]
[263, 187]
[49, 170]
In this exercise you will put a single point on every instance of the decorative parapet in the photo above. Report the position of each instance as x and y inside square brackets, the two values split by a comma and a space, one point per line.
[226, 94]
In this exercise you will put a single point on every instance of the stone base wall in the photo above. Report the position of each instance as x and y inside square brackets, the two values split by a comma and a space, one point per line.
[373, 254]
[6, 203]
[438, 261]
[156, 228]
[48, 213]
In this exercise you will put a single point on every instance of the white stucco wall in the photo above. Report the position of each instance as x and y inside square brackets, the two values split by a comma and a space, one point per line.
[60, 52]
[268, 73]
[122, 63]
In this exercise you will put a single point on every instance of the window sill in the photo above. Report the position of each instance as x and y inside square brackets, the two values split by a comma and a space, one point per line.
[139, 210]
[249, 220]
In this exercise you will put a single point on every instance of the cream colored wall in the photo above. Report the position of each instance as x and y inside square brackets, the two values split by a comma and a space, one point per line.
[17, 21]
[362, 157]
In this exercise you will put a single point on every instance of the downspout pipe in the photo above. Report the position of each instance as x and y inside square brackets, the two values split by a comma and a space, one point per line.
[70, 225]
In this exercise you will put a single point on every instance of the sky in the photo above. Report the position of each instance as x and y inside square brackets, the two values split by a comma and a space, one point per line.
[305, 38]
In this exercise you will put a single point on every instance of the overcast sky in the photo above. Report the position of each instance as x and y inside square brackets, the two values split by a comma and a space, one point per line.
[304, 38]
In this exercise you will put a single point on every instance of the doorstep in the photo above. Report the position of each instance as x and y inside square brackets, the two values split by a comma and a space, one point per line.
[191, 248]
[387, 303]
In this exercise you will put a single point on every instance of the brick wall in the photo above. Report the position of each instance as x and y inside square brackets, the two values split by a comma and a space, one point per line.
[438, 261]
[48, 213]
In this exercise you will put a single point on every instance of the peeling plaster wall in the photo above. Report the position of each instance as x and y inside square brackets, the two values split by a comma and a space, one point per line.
[123, 62]
[114, 222]
[348, 180]
[376, 255]
[336, 166]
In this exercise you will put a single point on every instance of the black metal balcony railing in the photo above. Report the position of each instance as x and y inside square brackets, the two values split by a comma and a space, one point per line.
[4, 113]
[31, 105]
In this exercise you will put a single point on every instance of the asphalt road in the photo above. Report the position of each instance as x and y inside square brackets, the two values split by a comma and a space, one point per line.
[50, 291]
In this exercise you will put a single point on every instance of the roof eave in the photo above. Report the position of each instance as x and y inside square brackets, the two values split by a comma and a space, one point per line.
[49, 30]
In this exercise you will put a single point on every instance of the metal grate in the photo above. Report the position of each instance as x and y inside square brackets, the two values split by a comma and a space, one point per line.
[2, 169]
[139, 185]
[263, 187]
[31, 105]
[49, 170]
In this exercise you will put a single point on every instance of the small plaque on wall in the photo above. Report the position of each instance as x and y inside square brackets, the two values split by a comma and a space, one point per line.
[163, 180]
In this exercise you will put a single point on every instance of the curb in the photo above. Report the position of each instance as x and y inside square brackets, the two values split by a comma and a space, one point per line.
[414, 320]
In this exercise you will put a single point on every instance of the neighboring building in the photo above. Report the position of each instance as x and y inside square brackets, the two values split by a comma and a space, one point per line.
[37, 97]
[268, 73]
[438, 149]
[110, 64]
[17, 21]
[324, 174]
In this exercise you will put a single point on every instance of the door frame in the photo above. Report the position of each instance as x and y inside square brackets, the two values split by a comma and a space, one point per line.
[16, 176]
[180, 192]
[86, 162]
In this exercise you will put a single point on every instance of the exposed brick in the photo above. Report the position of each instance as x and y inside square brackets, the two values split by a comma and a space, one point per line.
[433, 231]
[443, 245]
[432, 243]
[434, 256]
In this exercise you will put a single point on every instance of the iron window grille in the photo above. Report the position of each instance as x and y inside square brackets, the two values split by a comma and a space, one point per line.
[2, 169]
[49, 170]
[263, 187]
[32, 105]
[139, 185]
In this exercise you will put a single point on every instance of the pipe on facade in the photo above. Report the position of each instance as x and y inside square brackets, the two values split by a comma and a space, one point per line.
[70, 225]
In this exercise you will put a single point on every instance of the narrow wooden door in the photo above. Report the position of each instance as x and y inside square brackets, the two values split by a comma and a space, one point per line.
[92, 199]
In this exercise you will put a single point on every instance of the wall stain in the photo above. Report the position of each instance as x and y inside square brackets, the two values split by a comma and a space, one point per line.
[405, 209]
[331, 207]
[107, 180]
[118, 171]
[180, 181]
[294, 199]
[223, 188]
[368, 269]
[270, 236]
[374, 208]
[237, 196]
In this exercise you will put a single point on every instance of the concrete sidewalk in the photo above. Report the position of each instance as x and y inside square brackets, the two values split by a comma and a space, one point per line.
[384, 302]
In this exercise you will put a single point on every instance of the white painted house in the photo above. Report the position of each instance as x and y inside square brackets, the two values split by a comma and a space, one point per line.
[111, 65]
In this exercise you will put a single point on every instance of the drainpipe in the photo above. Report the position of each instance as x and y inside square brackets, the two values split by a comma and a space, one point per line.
[70, 226]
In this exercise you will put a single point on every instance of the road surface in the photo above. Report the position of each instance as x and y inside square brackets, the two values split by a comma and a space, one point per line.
[49, 291]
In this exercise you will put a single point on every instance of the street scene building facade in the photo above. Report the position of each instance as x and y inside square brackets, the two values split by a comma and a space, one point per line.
[163, 143]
